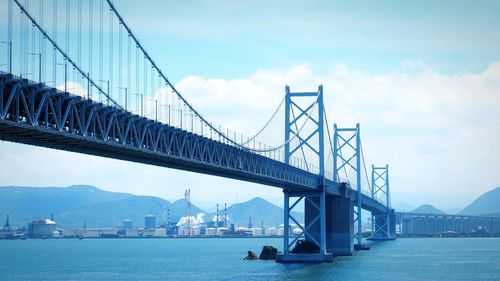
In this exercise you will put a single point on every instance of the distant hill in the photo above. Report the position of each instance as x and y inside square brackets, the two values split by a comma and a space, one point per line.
[488, 203]
[259, 210]
[427, 209]
[73, 205]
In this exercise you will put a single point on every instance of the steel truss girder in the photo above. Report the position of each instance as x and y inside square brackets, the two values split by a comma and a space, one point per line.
[45, 110]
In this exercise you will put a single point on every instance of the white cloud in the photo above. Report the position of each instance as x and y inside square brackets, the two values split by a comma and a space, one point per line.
[73, 88]
[430, 127]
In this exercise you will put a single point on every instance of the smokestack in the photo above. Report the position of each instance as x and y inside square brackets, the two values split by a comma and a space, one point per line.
[249, 222]
[225, 214]
[187, 199]
[52, 217]
[7, 224]
[217, 217]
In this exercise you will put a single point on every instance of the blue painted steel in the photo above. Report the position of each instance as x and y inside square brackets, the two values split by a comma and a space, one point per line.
[359, 235]
[291, 120]
[343, 139]
[382, 223]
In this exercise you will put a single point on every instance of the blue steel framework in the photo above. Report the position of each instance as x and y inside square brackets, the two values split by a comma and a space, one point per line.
[346, 150]
[35, 114]
[318, 219]
[381, 222]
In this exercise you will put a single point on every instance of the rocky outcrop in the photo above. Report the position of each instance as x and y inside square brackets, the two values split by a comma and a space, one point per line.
[305, 247]
[268, 253]
[251, 256]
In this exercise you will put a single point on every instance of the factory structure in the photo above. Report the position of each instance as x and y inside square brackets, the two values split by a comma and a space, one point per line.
[42, 228]
[197, 226]
[189, 225]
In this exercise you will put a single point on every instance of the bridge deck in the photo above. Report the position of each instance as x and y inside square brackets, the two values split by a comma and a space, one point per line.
[31, 113]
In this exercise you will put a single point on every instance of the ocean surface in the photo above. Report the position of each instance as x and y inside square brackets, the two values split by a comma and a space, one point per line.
[221, 259]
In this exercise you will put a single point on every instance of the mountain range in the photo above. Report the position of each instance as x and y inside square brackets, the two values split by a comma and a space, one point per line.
[488, 204]
[427, 209]
[74, 205]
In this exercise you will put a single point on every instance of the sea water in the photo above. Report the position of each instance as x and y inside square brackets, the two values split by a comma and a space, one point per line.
[221, 259]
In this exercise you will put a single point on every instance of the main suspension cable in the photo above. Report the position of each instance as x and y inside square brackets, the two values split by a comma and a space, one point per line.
[181, 97]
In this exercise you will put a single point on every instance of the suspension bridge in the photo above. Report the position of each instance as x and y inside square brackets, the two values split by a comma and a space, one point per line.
[76, 78]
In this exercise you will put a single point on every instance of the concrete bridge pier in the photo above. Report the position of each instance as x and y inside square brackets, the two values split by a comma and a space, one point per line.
[340, 225]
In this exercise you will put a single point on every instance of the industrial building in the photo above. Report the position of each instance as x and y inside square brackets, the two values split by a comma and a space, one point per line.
[150, 222]
[41, 228]
[100, 232]
[127, 224]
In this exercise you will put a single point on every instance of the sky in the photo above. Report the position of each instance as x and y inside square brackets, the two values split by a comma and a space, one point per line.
[421, 77]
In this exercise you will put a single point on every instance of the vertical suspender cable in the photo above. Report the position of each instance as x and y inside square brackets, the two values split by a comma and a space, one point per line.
[76, 68]
[68, 45]
[152, 90]
[145, 87]
[21, 41]
[110, 66]
[101, 38]
[54, 50]
[67, 38]
[79, 55]
[34, 56]
[91, 29]
[137, 79]
[129, 71]
[120, 64]
[9, 34]
[26, 42]
[41, 44]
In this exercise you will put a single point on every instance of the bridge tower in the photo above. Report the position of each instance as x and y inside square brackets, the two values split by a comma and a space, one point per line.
[383, 224]
[314, 228]
[347, 154]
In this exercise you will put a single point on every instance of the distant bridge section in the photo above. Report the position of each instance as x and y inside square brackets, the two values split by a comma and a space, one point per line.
[430, 224]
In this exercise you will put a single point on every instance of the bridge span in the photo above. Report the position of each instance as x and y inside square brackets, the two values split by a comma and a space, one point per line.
[98, 120]
[433, 224]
